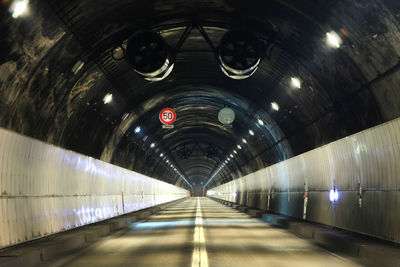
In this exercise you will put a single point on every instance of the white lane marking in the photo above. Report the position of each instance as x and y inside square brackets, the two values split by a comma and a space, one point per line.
[199, 256]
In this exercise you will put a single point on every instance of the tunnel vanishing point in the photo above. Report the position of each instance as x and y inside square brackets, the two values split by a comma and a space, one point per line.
[200, 133]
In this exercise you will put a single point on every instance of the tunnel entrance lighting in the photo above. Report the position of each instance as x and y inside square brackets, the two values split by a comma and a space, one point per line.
[18, 8]
[239, 54]
[295, 82]
[333, 39]
[107, 98]
[275, 106]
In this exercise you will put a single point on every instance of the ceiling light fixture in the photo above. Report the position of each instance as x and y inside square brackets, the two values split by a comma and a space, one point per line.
[296, 83]
[251, 132]
[239, 146]
[274, 106]
[333, 39]
[137, 129]
[107, 98]
[78, 66]
[161, 155]
[152, 145]
[244, 141]
[18, 8]
[125, 116]
[234, 151]
[260, 122]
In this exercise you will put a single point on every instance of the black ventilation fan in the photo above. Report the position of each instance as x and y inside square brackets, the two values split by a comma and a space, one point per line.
[239, 54]
[149, 55]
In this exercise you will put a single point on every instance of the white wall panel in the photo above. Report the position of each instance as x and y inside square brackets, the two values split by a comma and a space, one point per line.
[370, 158]
[46, 189]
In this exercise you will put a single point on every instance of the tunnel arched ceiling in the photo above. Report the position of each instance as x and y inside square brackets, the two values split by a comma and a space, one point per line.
[56, 67]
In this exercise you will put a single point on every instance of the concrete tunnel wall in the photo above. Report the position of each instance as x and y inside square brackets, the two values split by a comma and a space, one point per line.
[364, 168]
[45, 189]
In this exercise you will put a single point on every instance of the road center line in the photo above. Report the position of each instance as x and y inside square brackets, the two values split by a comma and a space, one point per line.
[199, 256]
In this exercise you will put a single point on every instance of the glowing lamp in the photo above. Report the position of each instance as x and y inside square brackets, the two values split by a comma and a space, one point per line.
[333, 195]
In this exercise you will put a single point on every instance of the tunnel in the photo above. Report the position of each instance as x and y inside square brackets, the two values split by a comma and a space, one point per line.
[200, 133]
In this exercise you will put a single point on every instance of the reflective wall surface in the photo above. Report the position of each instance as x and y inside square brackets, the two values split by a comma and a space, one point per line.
[352, 184]
[45, 189]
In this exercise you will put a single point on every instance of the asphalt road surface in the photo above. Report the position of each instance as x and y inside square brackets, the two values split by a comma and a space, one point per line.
[201, 232]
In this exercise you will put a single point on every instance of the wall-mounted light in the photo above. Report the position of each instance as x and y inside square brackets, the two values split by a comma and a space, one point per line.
[295, 82]
[78, 66]
[333, 39]
[107, 98]
[18, 7]
[275, 106]
[125, 116]
[333, 195]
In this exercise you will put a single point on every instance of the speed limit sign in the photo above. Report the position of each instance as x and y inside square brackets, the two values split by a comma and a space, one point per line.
[167, 116]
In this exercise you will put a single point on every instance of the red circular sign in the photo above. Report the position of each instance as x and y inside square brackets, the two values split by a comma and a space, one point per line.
[167, 116]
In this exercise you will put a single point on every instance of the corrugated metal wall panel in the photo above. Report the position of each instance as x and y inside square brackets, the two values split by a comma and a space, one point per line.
[46, 189]
[369, 159]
